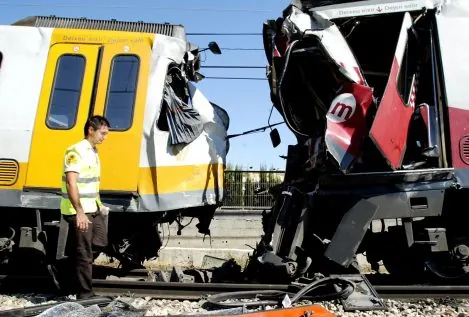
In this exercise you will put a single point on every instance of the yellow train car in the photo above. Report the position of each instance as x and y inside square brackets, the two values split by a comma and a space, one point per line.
[165, 154]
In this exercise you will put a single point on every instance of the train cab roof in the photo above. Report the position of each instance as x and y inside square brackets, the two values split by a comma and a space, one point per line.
[172, 30]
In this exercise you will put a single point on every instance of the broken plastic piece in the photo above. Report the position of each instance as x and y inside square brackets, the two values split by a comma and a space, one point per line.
[364, 296]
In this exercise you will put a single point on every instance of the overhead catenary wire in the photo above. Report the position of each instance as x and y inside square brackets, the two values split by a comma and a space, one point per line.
[226, 34]
[127, 7]
[241, 49]
[137, 7]
[235, 78]
[233, 66]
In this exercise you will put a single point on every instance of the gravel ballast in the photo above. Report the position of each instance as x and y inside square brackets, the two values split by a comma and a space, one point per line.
[161, 307]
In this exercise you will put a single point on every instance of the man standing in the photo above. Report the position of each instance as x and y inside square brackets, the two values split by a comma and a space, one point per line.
[81, 205]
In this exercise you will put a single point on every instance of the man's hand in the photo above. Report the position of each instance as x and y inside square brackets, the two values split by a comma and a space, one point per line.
[82, 221]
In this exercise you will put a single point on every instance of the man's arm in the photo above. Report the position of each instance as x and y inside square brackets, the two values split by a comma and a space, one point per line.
[72, 190]
[74, 196]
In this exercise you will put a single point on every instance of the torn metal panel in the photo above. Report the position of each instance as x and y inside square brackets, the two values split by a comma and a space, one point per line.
[184, 123]
[322, 87]
[331, 40]
[216, 123]
[390, 136]
[222, 115]
[188, 130]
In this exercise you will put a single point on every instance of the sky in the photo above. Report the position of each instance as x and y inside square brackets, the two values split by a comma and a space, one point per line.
[247, 101]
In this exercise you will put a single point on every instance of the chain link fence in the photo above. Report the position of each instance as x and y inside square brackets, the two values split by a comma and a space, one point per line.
[248, 189]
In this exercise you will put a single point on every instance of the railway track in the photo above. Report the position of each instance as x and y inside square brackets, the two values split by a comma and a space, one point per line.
[109, 288]
[194, 291]
[422, 291]
[173, 290]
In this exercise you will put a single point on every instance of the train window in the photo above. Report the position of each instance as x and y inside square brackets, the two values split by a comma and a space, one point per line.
[121, 92]
[66, 91]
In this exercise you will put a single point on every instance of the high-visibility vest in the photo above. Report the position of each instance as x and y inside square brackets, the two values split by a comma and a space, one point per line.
[82, 158]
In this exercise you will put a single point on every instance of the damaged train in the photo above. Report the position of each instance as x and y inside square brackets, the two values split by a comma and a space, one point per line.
[165, 154]
[375, 93]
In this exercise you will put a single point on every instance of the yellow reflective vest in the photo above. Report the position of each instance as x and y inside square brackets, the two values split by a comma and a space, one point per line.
[84, 160]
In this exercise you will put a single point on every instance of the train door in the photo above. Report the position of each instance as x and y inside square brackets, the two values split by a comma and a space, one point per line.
[390, 126]
[82, 79]
[121, 97]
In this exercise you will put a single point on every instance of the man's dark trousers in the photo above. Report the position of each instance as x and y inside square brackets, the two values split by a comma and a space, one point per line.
[83, 248]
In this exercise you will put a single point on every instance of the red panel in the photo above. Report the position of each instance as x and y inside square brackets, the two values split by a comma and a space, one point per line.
[459, 126]
[311, 310]
[391, 124]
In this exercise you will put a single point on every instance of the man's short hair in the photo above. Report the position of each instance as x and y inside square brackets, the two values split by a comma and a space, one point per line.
[96, 122]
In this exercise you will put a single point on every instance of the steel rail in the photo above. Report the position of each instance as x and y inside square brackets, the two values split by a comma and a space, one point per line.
[171, 290]
[195, 291]
[422, 291]
[174, 290]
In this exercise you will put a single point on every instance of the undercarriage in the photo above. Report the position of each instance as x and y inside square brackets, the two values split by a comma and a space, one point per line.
[36, 236]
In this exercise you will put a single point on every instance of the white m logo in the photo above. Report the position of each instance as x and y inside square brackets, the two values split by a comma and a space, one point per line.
[342, 108]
